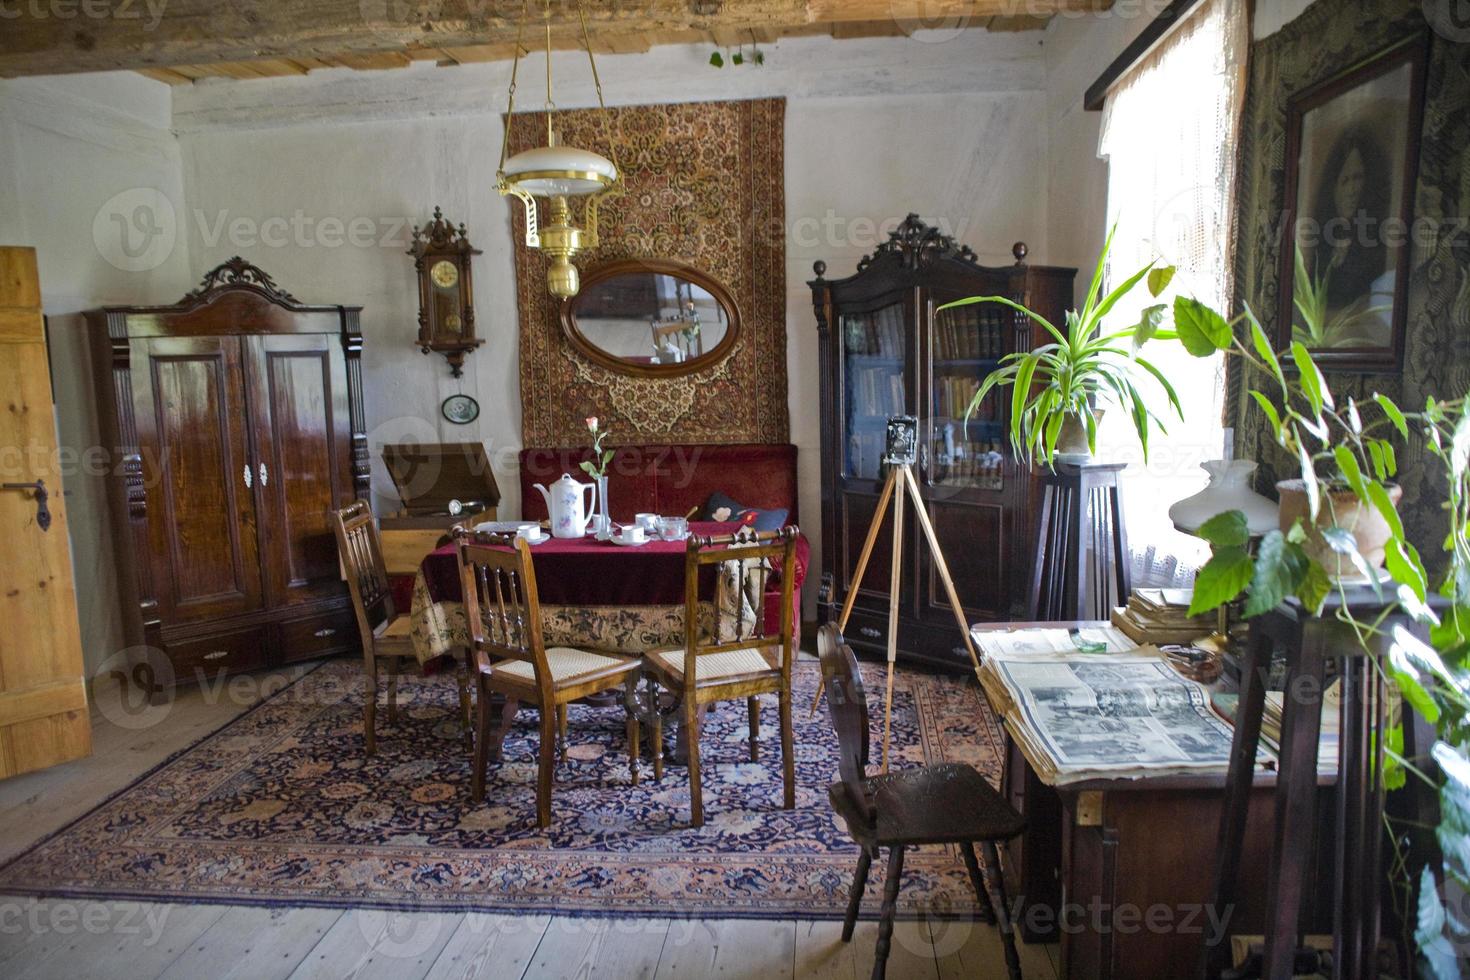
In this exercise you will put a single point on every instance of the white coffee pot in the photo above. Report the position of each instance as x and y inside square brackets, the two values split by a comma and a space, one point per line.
[569, 506]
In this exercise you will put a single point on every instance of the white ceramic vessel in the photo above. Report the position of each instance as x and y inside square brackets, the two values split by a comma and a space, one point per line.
[569, 506]
[1229, 489]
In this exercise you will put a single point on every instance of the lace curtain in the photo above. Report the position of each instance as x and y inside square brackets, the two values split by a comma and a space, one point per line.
[1169, 137]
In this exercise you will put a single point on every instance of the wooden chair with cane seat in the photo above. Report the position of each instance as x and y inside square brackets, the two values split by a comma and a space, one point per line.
[943, 804]
[503, 617]
[386, 632]
[736, 658]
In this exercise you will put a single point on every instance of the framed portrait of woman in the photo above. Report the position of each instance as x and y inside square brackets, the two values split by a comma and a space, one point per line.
[1352, 155]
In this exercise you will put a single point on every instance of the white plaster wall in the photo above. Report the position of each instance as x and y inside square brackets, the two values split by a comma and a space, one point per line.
[68, 146]
[947, 127]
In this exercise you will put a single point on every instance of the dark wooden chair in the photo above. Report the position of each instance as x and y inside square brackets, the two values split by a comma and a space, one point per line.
[386, 632]
[943, 804]
[503, 618]
[735, 658]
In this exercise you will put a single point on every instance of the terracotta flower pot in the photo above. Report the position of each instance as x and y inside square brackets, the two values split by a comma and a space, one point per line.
[1340, 507]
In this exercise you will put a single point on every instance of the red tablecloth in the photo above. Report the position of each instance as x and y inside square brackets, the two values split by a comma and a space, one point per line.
[587, 572]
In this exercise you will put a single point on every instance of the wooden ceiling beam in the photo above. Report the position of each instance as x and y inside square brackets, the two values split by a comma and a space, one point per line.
[159, 34]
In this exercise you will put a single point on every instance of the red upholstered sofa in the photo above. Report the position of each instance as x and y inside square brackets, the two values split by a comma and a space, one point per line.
[674, 479]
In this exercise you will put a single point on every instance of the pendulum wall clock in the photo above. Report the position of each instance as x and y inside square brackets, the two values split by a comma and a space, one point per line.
[441, 258]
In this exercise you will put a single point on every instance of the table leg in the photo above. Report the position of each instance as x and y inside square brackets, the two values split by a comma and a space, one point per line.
[1238, 782]
[680, 753]
[1296, 791]
[508, 709]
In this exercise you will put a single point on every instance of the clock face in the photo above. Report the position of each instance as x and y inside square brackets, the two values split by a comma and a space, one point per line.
[444, 273]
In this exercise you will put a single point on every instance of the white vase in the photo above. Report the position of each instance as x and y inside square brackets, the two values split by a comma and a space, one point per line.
[1229, 489]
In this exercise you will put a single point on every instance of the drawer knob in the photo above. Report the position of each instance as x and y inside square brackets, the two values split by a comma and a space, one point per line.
[216, 655]
[323, 633]
[870, 632]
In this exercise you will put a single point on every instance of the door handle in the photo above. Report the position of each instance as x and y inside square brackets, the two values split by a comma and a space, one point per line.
[249, 481]
[264, 475]
[43, 514]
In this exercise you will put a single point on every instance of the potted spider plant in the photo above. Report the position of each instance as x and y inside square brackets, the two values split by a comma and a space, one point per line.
[1059, 390]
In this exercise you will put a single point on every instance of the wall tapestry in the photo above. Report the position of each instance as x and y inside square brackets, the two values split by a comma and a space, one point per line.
[1329, 37]
[704, 186]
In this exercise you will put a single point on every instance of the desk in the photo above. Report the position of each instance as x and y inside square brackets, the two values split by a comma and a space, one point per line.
[1134, 859]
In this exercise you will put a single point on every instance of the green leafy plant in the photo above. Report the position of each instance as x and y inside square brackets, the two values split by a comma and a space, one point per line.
[1086, 362]
[1315, 325]
[757, 57]
[1350, 446]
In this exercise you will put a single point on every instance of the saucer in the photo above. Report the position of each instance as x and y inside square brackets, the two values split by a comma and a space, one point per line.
[541, 540]
[617, 539]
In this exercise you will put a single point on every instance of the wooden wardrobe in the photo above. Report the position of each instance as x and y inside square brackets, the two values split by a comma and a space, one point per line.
[236, 417]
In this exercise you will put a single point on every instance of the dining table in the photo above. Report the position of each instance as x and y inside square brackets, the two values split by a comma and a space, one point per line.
[594, 594]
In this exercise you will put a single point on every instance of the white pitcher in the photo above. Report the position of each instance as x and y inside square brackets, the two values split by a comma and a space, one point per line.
[569, 508]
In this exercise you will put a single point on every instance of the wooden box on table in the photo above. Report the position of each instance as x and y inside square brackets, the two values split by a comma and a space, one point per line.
[440, 485]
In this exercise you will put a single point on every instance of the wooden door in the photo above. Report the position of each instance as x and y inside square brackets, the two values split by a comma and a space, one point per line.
[199, 475]
[302, 433]
[43, 696]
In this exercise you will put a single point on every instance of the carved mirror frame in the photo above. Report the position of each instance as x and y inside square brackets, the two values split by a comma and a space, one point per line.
[617, 267]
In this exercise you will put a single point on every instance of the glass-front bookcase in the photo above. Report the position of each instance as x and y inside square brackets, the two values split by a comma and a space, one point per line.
[887, 349]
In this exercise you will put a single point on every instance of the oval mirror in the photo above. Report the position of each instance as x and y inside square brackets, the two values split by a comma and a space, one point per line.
[650, 317]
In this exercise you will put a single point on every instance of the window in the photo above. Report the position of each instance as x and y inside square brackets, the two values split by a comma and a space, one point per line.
[1169, 137]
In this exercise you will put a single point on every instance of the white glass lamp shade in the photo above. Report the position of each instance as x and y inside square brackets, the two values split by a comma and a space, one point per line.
[560, 171]
[1229, 489]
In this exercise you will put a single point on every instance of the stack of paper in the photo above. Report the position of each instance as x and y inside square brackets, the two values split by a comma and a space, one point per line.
[1079, 716]
[1048, 640]
[1271, 720]
[1161, 616]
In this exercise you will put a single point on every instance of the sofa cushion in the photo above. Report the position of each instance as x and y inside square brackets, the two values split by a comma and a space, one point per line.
[721, 507]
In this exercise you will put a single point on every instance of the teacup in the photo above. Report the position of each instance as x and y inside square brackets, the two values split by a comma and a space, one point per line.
[632, 534]
[530, 532]
[649, 522]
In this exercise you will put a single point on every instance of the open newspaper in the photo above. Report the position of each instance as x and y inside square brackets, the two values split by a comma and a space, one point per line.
[1100, 715]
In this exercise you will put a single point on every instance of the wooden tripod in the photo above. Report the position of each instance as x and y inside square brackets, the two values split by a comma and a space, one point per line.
[900, 484]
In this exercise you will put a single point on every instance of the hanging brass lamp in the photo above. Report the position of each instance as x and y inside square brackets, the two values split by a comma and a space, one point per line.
[558, 174]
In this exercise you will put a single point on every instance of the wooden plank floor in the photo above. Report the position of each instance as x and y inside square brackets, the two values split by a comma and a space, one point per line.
[41, 939]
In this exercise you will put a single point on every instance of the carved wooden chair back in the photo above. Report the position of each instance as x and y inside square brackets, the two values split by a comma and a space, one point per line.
[361, 553]
[501, 609]
[736, 586]
[676, 330]
[848, 704]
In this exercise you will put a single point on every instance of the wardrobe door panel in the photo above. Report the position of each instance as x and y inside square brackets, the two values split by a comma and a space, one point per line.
[302, 431]
[190, 410]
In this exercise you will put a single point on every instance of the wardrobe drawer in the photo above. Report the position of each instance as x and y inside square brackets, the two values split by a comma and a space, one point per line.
[243, 649]
[315, 636]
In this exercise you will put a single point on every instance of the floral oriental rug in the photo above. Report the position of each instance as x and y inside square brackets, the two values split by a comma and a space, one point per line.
[281, 807]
